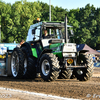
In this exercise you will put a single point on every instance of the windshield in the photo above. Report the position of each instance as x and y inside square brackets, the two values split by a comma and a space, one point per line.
[55, 33]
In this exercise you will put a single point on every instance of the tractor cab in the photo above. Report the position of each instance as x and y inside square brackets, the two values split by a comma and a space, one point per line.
[37, 33]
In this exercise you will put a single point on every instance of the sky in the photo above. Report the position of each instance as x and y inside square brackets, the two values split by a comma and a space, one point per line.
[66, 4]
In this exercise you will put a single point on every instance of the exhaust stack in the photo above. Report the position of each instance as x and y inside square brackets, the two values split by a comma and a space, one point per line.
[66, 32]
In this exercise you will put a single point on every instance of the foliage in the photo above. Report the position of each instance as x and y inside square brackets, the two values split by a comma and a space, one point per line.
[16, 19]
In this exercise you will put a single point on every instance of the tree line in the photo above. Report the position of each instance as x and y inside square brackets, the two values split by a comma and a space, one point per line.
[16, 19]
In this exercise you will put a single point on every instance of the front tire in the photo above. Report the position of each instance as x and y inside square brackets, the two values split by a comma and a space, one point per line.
[49, 67]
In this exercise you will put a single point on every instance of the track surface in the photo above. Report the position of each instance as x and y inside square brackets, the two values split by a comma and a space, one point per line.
[70, 88]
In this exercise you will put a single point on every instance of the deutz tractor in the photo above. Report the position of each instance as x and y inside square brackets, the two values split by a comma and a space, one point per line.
[53, 57]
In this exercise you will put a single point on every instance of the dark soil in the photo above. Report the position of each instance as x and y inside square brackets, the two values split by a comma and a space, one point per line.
[71, 88]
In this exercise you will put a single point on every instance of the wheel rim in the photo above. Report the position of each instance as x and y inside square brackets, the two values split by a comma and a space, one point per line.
[15, 64]
[45, 67]
[25, 66]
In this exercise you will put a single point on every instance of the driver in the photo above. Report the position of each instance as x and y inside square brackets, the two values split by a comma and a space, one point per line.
[45, 35]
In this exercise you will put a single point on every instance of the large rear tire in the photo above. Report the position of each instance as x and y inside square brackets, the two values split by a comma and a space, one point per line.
[49, 67]
[29, 64]
[85, 74]
[17, 63]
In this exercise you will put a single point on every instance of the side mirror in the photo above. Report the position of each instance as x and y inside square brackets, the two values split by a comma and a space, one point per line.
[44, 27]
[33, 31]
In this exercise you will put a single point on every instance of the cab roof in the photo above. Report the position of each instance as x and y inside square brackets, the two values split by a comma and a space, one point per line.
[49, 24]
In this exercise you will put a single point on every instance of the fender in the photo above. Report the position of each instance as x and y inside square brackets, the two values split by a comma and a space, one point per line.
[44, 51]
[27, 45]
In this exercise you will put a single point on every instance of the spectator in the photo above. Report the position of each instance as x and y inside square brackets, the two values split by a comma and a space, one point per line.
[21, 42]
[94, 58]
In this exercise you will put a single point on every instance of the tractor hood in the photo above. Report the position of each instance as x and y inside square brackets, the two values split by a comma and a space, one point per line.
[86, 48]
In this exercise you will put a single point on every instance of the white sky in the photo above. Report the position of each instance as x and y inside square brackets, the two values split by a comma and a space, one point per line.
[69, 4]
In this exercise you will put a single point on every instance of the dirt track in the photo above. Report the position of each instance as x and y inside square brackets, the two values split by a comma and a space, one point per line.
[70, 88]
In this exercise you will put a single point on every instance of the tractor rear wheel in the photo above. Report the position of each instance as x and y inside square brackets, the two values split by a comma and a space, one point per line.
[85, 74]
[29, 64]
[65, 74]
[17, 63]
[49, 67]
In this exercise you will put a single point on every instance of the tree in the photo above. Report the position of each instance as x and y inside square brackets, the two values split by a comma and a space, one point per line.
[17, 18]
[44, 11]
[6, 21]
[23, 16]
[86, 32]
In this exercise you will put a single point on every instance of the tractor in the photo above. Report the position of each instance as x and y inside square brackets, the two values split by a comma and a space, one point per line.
[53, 57]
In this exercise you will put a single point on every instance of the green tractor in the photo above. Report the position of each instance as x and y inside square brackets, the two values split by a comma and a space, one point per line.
[53, 57]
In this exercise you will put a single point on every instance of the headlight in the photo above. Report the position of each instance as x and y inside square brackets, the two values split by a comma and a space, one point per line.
[70, 61]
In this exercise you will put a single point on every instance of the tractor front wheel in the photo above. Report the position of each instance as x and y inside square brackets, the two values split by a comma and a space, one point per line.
[49, 67]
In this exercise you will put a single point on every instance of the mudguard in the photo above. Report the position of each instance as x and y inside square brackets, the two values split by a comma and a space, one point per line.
[44, 51]
[27, 45]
